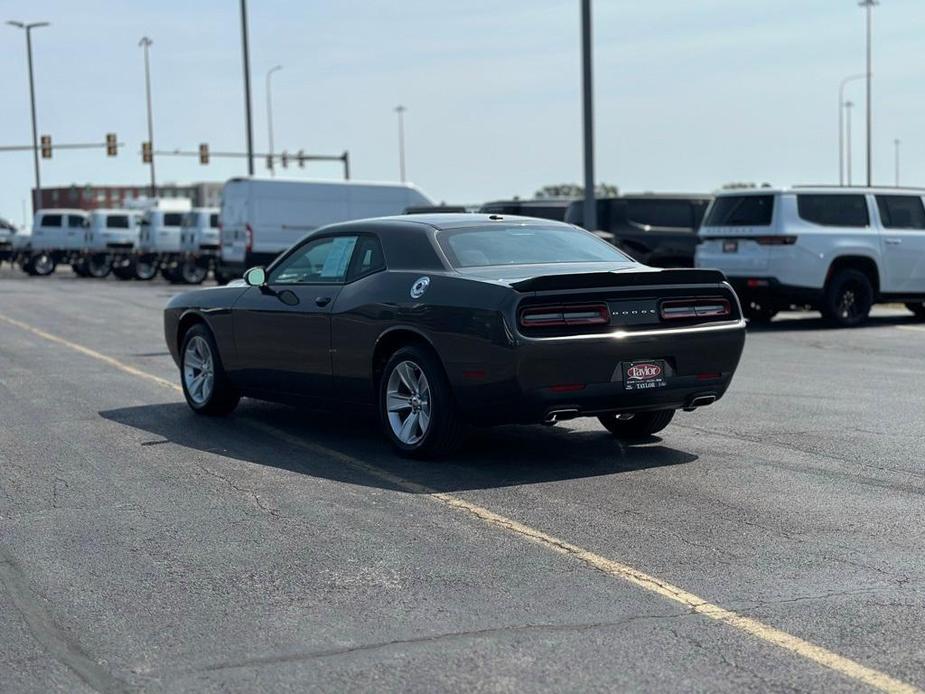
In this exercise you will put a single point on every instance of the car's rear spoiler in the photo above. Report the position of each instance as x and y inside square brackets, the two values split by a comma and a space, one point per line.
[636, 278]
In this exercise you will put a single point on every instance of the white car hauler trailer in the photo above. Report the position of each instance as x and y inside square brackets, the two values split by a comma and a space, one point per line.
[262, 217]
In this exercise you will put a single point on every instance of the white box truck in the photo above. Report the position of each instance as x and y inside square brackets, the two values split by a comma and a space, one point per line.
[262, 217]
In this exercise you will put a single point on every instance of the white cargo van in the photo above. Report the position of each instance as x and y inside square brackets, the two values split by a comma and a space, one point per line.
[110, 242]
[262, 217]
[198, 243]
[57, 237]
[838, 250]
[159, 239]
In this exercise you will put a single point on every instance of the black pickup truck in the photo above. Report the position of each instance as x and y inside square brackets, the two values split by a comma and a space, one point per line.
[655, 229]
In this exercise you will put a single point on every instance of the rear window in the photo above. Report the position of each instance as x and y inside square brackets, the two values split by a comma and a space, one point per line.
[189, 219]
[117, 221]
[741, 211]
[524, 245]
[661, 213]
[834, 210]
[901, 211]
[51, 220]
[173, 219]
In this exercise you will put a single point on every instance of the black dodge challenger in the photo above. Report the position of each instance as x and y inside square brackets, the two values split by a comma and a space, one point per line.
[449, 320]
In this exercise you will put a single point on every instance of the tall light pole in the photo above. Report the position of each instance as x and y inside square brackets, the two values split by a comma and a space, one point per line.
[587, 88]
[896, 144]
[247, 90]
[841, 125]
[270, 117]
[869, 5]
[37, 196]
[848, 106]
[400, 110]
[145, 43]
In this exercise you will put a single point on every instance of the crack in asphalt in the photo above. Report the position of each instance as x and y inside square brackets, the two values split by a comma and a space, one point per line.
[272, 512]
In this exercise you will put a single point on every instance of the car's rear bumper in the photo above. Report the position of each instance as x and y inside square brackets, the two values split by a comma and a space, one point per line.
[584, 376]
[770, 291]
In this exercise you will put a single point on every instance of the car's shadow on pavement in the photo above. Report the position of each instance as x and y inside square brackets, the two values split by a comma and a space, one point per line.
[811, 322]
[496, 457]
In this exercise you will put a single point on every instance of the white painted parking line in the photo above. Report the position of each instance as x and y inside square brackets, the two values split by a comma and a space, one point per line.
[788, 642]
[916, 328]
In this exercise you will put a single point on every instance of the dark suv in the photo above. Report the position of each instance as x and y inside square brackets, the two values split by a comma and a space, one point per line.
[659, 230]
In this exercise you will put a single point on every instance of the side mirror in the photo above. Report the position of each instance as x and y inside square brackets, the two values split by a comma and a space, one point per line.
[256, 277]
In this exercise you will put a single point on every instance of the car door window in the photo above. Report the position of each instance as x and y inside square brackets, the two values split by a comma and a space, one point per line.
[322, 261]
[367, 258]
[75, 221]
[51, 220]
[833, 210]
[901, 211]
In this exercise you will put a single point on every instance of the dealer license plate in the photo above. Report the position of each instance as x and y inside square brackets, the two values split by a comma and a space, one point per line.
[730, 246]
[645, 375]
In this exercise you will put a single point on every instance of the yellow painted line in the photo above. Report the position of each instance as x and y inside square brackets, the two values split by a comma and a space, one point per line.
[916, 328]
[788, 642]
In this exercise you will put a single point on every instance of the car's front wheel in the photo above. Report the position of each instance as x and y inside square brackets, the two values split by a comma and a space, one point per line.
[636, 426]
[99, 265]
[206, 386]
[43, 263]
[193, 273]
[416, 406]
[145, 268]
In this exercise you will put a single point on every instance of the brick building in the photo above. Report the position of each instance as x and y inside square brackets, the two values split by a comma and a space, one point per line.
[90, 197]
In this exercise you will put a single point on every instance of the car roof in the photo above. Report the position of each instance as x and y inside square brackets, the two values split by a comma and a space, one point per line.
[470, 219]
[62, 210]
[823, 189]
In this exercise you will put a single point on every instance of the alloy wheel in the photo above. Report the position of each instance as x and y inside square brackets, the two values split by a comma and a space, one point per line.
[198, 370]
[408, 403]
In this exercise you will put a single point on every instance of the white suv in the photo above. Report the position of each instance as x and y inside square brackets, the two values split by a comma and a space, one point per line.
[838, 250]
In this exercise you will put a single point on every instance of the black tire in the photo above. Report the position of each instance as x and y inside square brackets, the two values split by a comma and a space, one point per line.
[641, 425]
[445, 430]
[171, 273]
[221, 278]
[99, 265]
[43, 264]
[224, 397]
[758, 312]
[79, 266]
[192, 272]
[145, 268]
[918, 309]
[28, 267]
[848, 298]
[124, 270]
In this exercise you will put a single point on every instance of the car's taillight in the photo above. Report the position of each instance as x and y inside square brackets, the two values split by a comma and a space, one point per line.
[248, 238]
[679, 309]
[775, 240]
[559, 316]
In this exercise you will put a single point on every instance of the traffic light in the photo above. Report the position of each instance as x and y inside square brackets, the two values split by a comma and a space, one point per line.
[147, 156]
[204, 153]
[284, 159]
[301, 159]
[46, 146]
[112, 148]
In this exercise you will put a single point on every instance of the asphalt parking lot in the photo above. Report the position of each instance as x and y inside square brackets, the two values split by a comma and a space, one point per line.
[774, 541]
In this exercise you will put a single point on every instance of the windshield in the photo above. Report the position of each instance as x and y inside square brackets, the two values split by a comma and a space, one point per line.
[524, 245]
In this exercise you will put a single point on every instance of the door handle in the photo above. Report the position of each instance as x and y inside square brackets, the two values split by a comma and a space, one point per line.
[322, 301]
[893, 242]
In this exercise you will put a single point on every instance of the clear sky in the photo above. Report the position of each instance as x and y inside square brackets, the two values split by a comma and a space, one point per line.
[690, 94]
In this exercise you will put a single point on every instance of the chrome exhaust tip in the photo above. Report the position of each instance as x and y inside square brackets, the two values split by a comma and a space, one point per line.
[700, 401]
[554, 416]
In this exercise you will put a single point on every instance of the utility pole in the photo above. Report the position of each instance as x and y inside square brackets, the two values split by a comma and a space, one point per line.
[145, 43]
[37, 196]
[841, 125]
[848, 106]
[896, 144]
[270, 117]
[400, 110]
[869, 5]
[247, 90]
[587, 84]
